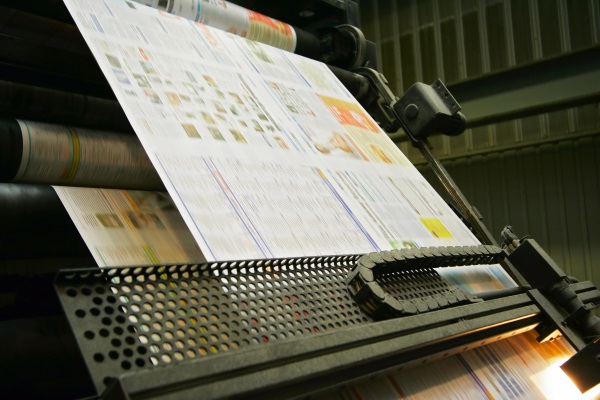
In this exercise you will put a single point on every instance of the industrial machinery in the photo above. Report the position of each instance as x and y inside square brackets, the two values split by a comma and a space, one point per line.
[360, 315]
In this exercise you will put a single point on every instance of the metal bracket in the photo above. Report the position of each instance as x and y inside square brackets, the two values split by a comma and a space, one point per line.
[425, 109]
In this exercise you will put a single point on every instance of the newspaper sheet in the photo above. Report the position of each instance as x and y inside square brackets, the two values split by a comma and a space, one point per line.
[515, 368]
[127, 228]
[57, 154]
[264, 152]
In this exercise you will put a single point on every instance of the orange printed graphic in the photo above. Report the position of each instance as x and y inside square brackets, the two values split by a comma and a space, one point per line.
[208, 35]
[381, 155]
[143, 53]
[349, 114]
[274, 24]
[168, 15]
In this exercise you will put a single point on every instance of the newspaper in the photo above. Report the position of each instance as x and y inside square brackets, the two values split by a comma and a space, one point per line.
[128, 228]
[264, 152]
[515, 368]
[231, 18]
[56, 154]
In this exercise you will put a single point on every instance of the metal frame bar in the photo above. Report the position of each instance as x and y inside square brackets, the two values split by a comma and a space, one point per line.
[559, 83]
[301, 367]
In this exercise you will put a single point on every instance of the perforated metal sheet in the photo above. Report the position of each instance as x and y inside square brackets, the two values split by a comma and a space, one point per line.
[130, 318]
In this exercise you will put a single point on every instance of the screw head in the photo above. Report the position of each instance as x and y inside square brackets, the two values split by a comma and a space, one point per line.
[411, 111]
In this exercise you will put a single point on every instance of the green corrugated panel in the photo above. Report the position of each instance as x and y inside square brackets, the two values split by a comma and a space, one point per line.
[551, 192]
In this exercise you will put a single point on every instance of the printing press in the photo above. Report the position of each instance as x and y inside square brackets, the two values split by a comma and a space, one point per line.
[291, 327]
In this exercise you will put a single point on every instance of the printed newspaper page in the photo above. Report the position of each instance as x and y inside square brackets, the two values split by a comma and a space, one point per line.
[127, 228]
[57, 154]
[264, 152]
[515, 368]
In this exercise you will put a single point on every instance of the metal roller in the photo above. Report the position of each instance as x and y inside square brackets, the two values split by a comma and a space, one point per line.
[33, 152]
[18, 100]
[36, 225]
[52, 55]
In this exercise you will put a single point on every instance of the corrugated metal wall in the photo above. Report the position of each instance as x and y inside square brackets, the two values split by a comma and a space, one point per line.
[550, 192]
[455, 40]
[540, 173]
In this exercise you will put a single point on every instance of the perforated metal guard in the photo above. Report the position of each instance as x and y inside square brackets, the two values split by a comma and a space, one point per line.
[131, 318]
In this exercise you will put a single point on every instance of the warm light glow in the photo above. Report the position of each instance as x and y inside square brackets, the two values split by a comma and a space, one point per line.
[556, 385]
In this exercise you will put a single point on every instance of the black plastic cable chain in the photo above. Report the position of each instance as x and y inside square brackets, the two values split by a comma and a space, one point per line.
[404, 266]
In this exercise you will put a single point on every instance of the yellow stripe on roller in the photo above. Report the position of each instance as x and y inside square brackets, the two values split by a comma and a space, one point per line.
[70, 171]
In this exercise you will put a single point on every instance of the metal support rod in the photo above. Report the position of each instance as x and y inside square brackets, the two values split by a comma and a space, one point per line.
[456, 195]
[520, 146]
[356, 84]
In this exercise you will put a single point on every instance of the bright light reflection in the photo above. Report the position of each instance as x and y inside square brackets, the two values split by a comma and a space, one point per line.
[556, 385]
